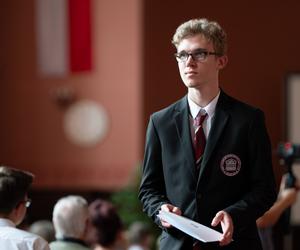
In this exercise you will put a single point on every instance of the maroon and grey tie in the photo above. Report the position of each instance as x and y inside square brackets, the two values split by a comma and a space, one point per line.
[199, 139]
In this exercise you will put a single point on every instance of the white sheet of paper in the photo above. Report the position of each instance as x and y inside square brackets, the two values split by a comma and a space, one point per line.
[190, 227]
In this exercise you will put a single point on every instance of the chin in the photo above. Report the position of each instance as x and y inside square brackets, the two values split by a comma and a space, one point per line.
[192, 84]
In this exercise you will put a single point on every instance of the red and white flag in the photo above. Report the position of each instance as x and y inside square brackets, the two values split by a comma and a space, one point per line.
[63, 29]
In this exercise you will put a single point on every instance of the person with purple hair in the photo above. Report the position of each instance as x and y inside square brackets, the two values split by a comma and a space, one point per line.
[106, 228]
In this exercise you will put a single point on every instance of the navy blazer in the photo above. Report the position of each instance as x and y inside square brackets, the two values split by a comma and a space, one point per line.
[236, 172]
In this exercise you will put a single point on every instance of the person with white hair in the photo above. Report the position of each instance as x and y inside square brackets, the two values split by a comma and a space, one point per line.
[70, 220]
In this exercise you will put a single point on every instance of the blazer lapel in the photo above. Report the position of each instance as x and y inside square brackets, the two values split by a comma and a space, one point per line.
[218, 125]
[181, 118]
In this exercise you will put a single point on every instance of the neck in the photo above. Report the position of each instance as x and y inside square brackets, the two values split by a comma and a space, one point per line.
[75, 240]
[12, 216]
[203, 96]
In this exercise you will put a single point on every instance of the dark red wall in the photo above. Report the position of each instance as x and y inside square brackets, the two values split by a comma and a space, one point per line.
[31, 121]
[263, 47]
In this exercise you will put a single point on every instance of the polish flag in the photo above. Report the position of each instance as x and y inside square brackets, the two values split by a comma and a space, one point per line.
[63, 30]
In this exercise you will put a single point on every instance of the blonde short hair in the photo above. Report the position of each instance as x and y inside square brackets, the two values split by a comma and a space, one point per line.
[211, 30]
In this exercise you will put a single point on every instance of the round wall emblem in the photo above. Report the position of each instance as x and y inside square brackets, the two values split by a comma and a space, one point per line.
[230, 164]
[86, 123]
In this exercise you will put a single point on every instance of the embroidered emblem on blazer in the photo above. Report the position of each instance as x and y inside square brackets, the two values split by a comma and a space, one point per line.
[230, 164]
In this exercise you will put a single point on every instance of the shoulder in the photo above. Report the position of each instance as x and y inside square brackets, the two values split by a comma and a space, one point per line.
[237, 107]
[21, 237]
[61, 245]
[168, 111]
[37, 241]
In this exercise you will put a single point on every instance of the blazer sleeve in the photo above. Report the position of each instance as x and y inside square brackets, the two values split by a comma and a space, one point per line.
[262, 190]
[152, 189]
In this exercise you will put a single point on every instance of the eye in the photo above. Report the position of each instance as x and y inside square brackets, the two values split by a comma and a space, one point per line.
[200, 54]
[183, 55]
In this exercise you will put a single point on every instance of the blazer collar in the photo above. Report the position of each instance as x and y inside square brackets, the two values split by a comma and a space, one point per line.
[182, 122]
[220, 120]
[181, 118]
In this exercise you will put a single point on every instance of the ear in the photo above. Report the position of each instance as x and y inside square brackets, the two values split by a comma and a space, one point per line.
[222, 61]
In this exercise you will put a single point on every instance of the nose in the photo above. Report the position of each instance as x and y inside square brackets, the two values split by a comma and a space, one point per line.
[190, 60]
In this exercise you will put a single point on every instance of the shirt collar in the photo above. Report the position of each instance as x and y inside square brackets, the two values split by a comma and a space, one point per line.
[209, 108]
[71, 239]
[6, 223]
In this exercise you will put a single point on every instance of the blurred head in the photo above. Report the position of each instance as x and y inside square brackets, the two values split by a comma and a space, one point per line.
[43, 228]
[70, 216]
[105, 222]
[14, 186]
[139, 233]
[211, 30]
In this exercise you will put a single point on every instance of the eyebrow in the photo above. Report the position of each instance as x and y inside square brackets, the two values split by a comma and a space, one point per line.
[195, 50]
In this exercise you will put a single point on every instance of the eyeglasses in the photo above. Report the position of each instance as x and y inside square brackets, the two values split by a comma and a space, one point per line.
[27, 202]
[199, 55]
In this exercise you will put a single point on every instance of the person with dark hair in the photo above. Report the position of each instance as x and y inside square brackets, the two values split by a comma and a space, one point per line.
[106, 228]
[208, 155]
[14, 186]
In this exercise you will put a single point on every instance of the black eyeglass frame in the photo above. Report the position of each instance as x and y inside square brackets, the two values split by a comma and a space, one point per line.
[27, 202]
[194, 54]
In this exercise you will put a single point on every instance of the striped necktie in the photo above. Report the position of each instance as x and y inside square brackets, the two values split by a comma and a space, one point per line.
[199, 139]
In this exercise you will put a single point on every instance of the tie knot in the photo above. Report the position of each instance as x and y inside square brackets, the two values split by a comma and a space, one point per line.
[199, 119]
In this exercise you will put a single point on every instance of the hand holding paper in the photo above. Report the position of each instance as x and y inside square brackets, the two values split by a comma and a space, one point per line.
[172, 209]
[192, 228]
[225, 220]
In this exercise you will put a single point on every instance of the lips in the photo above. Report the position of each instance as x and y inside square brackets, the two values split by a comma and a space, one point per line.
[190, 73]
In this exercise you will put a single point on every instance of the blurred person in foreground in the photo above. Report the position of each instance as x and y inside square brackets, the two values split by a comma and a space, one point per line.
[70, 220]
[106, 228]
[285, 199]
[139, 236]
[43, 228]
[208, 155]
[14, 186]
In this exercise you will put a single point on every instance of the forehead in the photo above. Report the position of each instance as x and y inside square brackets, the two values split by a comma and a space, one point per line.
[195, 42]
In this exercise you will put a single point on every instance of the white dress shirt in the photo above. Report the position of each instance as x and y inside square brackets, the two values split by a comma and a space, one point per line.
[12, 238]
